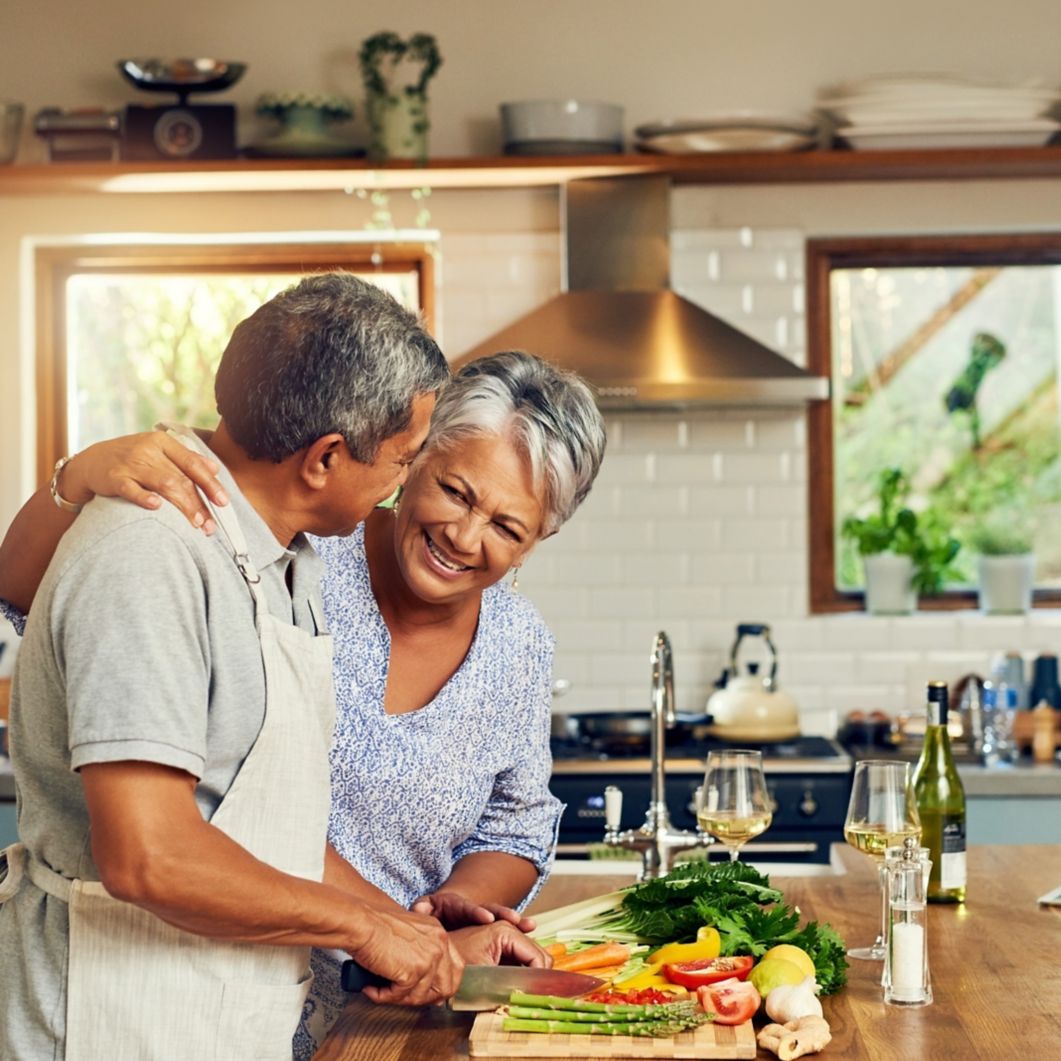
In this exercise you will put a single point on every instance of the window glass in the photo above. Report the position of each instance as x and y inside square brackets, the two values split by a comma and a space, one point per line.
[143, 347]
[950, 373]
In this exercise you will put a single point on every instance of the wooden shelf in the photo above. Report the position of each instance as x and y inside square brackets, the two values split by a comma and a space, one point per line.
[272, 175]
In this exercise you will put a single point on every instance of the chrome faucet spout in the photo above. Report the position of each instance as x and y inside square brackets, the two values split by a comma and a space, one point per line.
[657, 841]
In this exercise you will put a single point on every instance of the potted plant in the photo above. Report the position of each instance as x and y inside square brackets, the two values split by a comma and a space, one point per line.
[1006, 564]
[395, 73]
[305, 122]
[904, 554]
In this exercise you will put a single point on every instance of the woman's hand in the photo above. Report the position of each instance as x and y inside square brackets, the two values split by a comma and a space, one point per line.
[144, 469]
[455, 911]
[500, 943]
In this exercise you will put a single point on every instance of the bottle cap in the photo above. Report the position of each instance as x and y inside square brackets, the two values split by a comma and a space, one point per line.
[937, 703]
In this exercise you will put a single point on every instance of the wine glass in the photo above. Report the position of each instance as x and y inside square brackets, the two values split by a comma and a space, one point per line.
[882, 813]
[735, 806]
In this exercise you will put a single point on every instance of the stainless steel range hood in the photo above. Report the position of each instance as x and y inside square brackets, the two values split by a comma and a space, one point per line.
[619, 325]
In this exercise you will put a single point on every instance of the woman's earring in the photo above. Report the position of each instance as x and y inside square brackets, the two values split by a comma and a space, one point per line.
[515, 578]
[397, 502]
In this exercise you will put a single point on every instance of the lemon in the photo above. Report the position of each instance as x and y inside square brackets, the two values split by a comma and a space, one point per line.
[796, 955]
[773, 972]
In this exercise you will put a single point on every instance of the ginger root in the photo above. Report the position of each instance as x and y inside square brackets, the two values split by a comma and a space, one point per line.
[807, 1035]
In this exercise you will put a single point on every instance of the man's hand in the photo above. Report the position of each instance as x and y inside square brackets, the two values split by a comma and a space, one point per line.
[498, 944]
[456, 911]
[414, 953]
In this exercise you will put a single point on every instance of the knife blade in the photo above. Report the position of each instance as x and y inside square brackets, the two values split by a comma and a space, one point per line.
[487, 986]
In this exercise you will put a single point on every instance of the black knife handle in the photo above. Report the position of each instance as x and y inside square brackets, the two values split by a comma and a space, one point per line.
[354, 977]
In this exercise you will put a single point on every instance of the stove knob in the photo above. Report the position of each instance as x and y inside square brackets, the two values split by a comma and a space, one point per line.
[808, 806]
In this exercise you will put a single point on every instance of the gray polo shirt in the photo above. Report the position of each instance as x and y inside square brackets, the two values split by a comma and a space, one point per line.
[141, 645]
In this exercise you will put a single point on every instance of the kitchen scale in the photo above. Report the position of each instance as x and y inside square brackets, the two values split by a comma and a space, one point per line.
[152, 132]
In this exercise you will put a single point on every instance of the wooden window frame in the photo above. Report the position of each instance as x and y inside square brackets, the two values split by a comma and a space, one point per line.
[822, 256]
[54, 265]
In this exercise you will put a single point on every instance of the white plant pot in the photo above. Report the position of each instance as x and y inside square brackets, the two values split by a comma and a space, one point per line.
[889, 584]
[1006, 584]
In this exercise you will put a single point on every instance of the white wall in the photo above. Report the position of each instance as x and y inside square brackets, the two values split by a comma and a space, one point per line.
[724, 535]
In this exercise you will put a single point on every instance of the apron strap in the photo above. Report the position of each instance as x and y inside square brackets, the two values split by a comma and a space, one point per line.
[226, 520]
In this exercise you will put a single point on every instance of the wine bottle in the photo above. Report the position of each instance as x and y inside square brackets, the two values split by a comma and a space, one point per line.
[941, 804]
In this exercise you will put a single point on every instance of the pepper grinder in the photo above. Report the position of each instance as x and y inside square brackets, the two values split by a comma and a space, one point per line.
[906, 980]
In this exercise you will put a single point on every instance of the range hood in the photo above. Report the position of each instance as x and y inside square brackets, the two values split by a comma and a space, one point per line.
[618, 324]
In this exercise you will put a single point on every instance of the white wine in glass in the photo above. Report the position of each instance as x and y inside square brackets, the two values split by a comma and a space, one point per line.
[882, 813]
[735, 806]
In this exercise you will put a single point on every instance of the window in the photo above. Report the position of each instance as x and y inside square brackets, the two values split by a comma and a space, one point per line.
[129, 335]
[944, 355]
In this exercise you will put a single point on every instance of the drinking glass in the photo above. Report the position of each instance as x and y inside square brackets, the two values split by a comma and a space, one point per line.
[735, 806]
[882, 814]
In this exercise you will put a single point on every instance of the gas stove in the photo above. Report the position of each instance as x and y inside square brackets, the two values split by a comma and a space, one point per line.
[809, 779]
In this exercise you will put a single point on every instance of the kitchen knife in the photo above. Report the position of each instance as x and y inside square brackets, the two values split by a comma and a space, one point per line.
[488, 986]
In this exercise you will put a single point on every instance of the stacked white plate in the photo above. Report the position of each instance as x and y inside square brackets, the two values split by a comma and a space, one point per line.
[901, 111]
[732, 131]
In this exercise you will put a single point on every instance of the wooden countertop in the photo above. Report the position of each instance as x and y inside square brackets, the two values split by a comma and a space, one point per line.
[996, 953]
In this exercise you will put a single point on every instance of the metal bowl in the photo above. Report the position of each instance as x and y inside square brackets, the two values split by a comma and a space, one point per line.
[181, 75]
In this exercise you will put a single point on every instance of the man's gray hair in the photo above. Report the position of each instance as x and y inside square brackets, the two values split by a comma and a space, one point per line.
[332, 354]
[550, 414]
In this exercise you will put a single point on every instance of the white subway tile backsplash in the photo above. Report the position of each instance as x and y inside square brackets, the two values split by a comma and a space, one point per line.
[755, 534]
[652, 501]
[722, 501]
[659, 433]
[660, 570]
[693, 468]
[627, 469]
[688, 602]
[688, 535]
[755, 468]
[717, 568]
[751, 602]
[779, 501]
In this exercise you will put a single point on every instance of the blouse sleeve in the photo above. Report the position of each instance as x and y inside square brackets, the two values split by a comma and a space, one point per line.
[522, 816]
[13, 616]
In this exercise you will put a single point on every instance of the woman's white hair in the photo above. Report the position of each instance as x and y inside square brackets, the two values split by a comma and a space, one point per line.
[548, 413]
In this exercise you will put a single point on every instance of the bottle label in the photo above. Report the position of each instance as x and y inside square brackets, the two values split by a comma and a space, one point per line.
[952, 854]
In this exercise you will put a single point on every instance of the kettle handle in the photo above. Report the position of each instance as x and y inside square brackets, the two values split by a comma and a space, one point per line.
[755, 630]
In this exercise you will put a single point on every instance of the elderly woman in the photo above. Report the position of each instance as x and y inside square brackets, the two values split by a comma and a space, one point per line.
[440, 763]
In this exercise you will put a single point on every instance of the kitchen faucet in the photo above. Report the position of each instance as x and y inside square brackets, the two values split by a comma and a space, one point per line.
[657, 840]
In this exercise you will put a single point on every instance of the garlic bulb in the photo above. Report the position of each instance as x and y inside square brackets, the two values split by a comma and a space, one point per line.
[792, 1001]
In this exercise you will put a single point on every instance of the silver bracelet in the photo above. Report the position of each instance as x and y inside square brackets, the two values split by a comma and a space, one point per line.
[53, 486]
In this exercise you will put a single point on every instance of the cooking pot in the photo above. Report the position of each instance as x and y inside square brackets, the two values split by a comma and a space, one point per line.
[749, 707]
[625, 728]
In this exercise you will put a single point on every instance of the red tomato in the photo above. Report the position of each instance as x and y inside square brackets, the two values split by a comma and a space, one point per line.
[731, 1001]
[646, 996]
[709, 970]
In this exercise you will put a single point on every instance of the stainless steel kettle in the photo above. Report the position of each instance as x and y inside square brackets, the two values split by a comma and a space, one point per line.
[749, 706]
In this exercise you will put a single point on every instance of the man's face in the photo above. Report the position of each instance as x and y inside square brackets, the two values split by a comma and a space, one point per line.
[358, 488]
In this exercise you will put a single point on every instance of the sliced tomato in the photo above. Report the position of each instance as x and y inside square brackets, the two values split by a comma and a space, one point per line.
[731, 1001]
[709, 970]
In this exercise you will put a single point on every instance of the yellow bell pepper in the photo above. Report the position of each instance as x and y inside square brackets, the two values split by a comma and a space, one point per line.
[648, 977]
[708, 945]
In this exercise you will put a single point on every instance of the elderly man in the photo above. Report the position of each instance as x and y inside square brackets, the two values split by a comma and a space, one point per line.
[172, 713]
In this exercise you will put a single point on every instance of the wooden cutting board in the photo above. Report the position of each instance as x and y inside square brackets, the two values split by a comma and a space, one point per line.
[708, 1041]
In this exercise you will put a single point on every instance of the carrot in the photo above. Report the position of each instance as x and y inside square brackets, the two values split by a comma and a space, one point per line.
[606, 972]
[595, 957]
[557, 950]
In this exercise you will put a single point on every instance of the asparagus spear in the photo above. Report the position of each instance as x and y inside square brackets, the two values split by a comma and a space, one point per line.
[655, 1028]
[540, 1013]
[520, 998]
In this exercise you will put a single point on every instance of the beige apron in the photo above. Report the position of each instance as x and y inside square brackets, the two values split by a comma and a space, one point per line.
[140, 989]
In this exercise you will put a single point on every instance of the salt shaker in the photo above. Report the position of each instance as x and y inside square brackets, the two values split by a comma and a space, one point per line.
[906, 980]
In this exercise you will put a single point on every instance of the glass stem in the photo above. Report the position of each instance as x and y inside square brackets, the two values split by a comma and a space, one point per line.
[882, 935]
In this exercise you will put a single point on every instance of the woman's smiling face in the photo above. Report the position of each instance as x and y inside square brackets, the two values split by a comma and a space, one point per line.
[469, 512]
